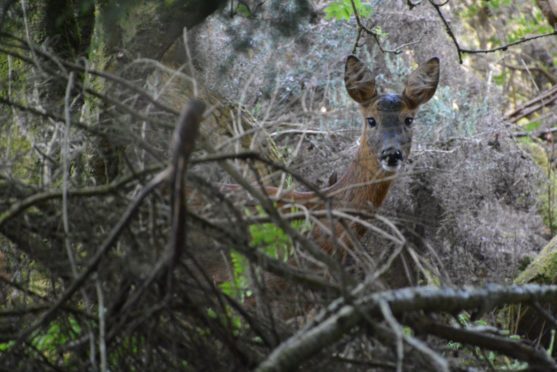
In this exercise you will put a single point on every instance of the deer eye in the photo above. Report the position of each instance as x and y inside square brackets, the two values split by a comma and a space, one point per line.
[371, 122]
[408, 121]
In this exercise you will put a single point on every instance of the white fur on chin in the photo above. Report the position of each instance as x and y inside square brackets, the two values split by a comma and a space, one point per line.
[388, 168]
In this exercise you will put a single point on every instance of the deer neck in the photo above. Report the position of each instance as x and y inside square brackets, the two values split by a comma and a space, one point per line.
[364, 182]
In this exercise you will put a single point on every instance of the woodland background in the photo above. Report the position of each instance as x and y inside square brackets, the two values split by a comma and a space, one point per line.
[97, 273]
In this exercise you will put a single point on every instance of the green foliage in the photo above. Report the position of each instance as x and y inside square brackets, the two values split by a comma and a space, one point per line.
[500, 362]
[525, 22]
[270, 239]
[496, 4]
[243, 10]
[525, 26]
[5, 346]
[501, 79]
[56, 335]
[551, 343]
[238, 286]
[342, 10]
[548, 196]
[267, 238]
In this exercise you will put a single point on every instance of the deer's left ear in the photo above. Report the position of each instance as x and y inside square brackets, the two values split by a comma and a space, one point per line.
[422, 83]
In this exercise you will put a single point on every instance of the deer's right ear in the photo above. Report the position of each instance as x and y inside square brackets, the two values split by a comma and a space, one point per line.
[359, 81]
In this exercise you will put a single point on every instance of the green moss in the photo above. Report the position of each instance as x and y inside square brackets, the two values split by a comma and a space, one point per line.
[543, 269]
[537, 152]
[548, 195]
[23, 167]
[137, 18]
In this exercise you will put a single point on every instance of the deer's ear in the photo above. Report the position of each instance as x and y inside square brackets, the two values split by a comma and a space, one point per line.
[422, 83]
[359, 81]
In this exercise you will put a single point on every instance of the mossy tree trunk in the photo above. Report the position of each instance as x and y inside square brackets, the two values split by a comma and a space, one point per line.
[124, 31]
[527, 321]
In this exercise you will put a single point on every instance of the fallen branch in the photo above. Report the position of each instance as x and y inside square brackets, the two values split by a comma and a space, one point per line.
[344, 318]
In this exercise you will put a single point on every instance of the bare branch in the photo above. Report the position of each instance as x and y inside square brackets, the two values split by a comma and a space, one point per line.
[545, 99]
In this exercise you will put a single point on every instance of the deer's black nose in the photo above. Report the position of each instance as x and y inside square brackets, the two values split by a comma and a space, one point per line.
[391, 156]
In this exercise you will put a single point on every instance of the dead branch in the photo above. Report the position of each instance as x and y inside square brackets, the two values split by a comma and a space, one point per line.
[183, 144]
[544, 99]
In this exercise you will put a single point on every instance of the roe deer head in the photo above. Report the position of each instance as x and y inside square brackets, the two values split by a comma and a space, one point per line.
[387, 129]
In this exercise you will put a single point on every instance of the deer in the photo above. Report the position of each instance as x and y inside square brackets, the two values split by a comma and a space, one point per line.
[384, 146]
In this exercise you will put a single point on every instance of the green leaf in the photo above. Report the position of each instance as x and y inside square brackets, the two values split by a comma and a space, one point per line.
[243, 10]
[342, 10]
[532, 126]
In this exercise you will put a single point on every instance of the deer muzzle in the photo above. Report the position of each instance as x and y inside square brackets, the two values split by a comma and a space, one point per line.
[391, 159]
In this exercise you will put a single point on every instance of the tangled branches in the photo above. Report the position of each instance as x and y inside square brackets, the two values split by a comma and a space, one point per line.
[171, 271]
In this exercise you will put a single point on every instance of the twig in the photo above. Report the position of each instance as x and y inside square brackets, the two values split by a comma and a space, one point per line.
[267, 205]
[546, 314]
[263, 260]
[374, 34]
[448, 28]
[65, 167]
[437, 362]
[397, 330]
[552, 79]
[539, 134]
[102, 330]
[506, 46]
[101, 96]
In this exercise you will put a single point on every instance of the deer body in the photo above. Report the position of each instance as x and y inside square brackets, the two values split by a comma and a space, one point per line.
[383, 146]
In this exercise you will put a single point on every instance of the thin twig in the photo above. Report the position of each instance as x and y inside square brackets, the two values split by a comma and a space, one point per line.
[102, 330]
[397, 330]
[65, 181]
[374, 34]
